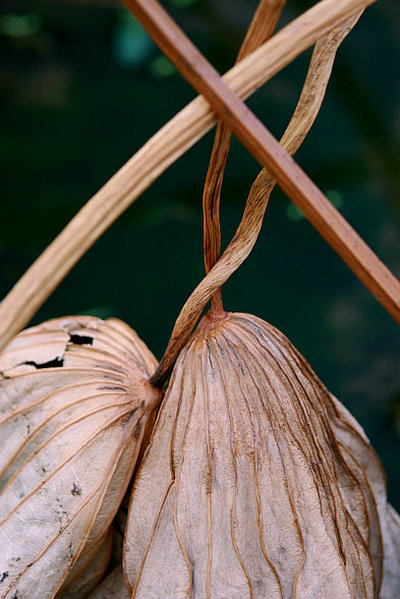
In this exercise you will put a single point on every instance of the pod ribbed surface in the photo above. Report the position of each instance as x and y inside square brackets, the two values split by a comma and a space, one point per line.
[74, 402]
[257, 482]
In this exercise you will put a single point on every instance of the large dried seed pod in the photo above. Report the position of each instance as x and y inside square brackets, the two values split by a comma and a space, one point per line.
[74, 402]
[257, 483]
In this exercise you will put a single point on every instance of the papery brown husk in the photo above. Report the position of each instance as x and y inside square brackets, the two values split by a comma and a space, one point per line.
[257, 482]
[74, 403]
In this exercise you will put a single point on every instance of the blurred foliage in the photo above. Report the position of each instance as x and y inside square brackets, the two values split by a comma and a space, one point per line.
[82, 87]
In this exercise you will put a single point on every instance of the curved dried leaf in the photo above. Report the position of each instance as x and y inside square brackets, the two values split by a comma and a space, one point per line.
[113, 587]
[88, 570]
[74, 400]
[256, 482]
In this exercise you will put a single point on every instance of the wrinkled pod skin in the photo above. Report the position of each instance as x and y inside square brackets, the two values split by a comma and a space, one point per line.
[257, 483]
[74, 403]
[112, 587]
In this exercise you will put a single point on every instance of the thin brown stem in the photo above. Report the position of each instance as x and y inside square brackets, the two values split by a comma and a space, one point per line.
[266, 149]
[261, 28]
[246, 235]
[162, 150]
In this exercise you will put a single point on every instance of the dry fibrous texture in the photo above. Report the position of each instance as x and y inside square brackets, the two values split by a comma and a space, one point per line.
[257, 482]
[113, 587]
[354, 443]
[74, 401]
[260, 29]
[88, 570]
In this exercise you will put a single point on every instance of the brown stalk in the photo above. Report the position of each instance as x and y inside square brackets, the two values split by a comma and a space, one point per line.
[261, 28]
[266, 149]
[166, 146]
[246, 235]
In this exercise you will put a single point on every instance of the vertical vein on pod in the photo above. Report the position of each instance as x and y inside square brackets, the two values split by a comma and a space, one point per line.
[205, 394]
[191, 400]
[293, 357]
[174, 425]
[246, 369]
[290, 494]
[317, 456]
[347, 468]
[275, 432]
[233, 442]
[151, 537]
[324, 473]
[328, 471]
[240, 337]
[376, 577]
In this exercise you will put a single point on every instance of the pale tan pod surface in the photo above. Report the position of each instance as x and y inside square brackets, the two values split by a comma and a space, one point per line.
[74, 401]
[88, 570]
[113, 587]
[352, 438]
[245, 492]
[362, 461]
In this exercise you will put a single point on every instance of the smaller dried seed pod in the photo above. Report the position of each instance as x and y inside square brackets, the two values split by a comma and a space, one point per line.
[257, 483]
[74, 403]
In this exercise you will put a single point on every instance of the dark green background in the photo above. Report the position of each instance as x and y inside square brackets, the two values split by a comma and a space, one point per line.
[81, 88]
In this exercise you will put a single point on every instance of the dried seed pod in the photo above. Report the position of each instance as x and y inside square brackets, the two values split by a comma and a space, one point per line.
[74, 402]
[256, 483]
